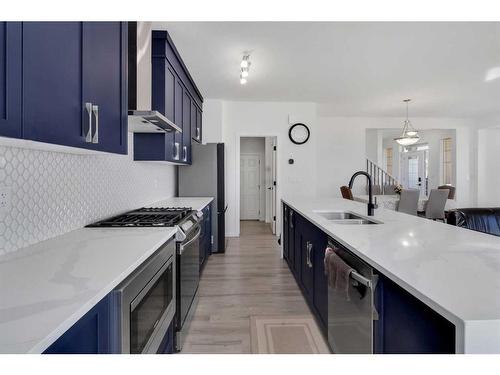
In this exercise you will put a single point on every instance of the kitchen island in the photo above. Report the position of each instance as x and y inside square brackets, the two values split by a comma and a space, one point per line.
[453, 271]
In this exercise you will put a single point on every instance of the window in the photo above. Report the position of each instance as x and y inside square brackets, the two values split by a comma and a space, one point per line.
[388, 160]
[446, 157]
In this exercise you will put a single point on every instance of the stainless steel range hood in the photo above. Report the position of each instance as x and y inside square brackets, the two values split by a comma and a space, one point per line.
[150, 122]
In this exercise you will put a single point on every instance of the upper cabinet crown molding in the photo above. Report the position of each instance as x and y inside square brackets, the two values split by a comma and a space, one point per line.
[164, 47]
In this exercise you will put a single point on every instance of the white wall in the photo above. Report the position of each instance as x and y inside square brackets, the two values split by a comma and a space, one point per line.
[212, 121]
[489, 167]
[241, 119]
[341, 151]
[374, 149]
[256, 145]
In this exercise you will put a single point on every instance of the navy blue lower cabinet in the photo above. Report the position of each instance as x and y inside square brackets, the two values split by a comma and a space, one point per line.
[304, 235]
[284, 233]
[296, 222]
[205, 236]
[90, 335]
[320, 290]
[406, 325]
[208, 230]
[10, 79]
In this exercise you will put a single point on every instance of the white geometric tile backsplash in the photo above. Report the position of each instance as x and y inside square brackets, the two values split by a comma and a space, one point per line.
[53, 193]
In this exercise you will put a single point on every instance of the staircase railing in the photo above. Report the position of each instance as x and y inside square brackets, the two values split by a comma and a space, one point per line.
[380, 177]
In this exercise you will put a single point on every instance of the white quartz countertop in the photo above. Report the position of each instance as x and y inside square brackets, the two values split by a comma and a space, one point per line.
[453, 270]
[47, 287]
[196, 203]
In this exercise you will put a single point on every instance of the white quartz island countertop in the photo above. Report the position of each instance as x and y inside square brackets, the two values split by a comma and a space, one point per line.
[453, 270]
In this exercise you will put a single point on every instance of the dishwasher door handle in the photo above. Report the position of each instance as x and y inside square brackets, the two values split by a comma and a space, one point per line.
[361, 279]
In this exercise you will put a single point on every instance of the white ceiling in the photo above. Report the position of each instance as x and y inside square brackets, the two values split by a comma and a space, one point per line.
[351, 69]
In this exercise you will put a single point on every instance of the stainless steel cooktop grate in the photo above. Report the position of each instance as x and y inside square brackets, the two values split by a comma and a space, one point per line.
[146, 217]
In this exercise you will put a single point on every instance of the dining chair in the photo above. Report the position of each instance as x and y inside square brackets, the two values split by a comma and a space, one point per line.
[346, 192]
[452, 190]
[389, 190]
[435, 205]
[408, 202]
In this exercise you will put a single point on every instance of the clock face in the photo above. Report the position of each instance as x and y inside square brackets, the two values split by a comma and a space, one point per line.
[299, 133]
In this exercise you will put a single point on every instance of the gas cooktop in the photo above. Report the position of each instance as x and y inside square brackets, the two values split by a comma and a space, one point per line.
[147, 217]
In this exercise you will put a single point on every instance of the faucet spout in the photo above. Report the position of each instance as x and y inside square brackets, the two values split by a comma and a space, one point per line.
[371, 206]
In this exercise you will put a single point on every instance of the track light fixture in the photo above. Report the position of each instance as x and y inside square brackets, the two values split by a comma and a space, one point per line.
[244, 68]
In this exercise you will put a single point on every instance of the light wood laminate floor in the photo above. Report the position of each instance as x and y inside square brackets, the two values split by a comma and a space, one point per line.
[249, 280]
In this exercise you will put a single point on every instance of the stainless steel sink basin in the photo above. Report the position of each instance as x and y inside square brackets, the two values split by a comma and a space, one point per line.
[346, 217]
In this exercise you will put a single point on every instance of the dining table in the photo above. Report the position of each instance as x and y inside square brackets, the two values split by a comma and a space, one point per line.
[391, 202]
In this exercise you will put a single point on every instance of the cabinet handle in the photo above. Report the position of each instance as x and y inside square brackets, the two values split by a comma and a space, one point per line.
[198, 133]
[185, 152]
[176, 156]
[95, 111]
[291, 219]
[309, 248]
[88, 136]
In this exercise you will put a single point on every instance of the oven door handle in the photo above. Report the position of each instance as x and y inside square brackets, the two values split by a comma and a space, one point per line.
[184, 245]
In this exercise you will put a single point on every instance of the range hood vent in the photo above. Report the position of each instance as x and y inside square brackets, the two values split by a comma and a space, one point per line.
[150, 122]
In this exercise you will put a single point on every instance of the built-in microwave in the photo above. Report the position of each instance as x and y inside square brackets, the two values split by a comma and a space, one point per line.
[146, 303]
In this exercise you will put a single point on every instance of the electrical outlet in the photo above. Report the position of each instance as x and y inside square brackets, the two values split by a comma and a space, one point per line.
[5, 196]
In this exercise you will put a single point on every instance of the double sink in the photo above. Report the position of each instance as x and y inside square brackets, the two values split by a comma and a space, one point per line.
[346, 217]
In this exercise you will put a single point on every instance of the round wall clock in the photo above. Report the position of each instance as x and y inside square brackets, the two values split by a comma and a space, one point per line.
[299, 133]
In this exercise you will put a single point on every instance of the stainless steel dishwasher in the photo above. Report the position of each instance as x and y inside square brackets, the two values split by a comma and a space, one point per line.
[350, 318]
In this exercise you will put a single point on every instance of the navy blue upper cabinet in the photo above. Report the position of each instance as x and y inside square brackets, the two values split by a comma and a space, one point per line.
[52, 84]
[189, 118]
[163, 100]
[175, 95]
[74, 84]
[105, 83]
[196, 129]
[10, 79]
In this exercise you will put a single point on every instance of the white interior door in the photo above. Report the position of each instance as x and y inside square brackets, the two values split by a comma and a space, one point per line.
[273, 188]
[250, 186]
[413, 170]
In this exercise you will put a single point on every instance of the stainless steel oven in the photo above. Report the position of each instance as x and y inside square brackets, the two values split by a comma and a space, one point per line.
[188, 276]
[146, 301]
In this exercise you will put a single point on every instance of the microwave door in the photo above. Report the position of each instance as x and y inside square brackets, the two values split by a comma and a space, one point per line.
[152, 311]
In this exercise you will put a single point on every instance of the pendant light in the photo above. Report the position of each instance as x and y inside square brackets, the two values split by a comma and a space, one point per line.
[409, 135]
